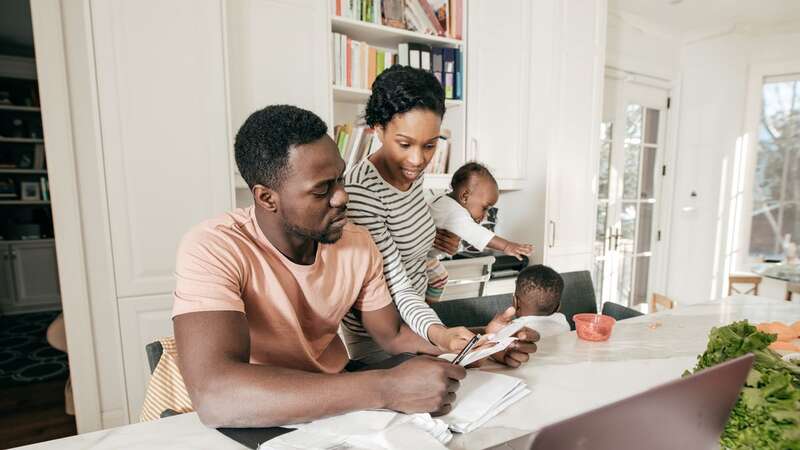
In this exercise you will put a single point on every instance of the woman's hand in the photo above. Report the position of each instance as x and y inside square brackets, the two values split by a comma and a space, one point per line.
[451, 340]
[518, 250]
[519, 351]
[446, 241]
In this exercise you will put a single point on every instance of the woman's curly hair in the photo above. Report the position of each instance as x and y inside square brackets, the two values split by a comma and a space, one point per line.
[399, 89]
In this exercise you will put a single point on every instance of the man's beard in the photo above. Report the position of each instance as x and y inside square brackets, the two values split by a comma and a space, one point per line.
[325, 236]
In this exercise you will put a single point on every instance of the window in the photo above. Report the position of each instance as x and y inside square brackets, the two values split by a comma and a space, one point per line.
[776, 187]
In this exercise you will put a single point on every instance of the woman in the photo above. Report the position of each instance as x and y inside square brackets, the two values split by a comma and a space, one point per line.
[386, 196]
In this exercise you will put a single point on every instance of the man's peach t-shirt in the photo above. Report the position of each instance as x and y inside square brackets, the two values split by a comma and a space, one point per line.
[293, 311]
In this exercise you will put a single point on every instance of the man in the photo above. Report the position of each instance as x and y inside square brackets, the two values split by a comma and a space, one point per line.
[261, 291]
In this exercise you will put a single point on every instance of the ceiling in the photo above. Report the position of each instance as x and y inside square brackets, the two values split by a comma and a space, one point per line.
[687, 18]
[16, 32]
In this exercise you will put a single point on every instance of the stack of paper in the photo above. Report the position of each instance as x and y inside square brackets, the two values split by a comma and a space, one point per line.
[376, 430]
[483, 395]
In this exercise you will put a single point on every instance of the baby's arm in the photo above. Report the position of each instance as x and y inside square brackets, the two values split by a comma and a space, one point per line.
[510, 248]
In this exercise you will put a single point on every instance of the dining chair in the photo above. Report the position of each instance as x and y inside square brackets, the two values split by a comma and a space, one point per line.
[792, 288]
[743, 279]
[619, 312]
[166, 393]
[660, 300]
[578, 295]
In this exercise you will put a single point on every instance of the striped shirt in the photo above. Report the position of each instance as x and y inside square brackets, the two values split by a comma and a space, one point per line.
[402, 227]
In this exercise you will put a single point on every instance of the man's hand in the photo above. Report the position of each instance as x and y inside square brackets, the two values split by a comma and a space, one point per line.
[446, 241]
[518, 250]
[423, 384]
[518, 352]
[449, 339]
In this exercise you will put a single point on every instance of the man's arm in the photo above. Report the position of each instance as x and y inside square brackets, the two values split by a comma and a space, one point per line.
[393, 335]
[226, 390]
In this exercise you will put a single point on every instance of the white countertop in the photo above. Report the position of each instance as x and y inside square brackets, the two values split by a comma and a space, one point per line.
[567, 377]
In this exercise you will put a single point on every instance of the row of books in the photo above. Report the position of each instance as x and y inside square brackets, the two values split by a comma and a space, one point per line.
[434, 17]
[356, 142]
[356, 64]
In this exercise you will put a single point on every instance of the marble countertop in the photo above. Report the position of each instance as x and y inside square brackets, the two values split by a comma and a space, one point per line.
[566, 377]
[779, 271]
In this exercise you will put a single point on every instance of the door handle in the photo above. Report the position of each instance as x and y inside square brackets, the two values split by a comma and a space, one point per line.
[552, 234]
[616, 238]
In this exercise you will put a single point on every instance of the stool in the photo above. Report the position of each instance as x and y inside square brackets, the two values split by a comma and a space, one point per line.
[752, 280]
[660, 300]
[792, 288]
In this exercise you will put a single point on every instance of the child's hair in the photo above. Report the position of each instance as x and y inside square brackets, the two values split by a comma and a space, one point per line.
[465, 173]
[542, 279]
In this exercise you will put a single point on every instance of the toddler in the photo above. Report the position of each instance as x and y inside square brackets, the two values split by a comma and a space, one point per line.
[538, 298]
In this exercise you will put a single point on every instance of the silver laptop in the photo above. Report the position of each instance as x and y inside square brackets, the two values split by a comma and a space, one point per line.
[687, 413]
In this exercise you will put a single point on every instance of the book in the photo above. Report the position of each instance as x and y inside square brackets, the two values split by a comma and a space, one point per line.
[425, 24]
[419, 56]
[431, 16]
[441, 9]
[448, 85]
[394, 13]
[402, 54]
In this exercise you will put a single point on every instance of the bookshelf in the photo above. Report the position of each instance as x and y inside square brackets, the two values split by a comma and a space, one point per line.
[348, 103]
[24, 189]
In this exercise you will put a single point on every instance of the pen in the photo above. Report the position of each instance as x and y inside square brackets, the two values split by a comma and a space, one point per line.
[466, 349]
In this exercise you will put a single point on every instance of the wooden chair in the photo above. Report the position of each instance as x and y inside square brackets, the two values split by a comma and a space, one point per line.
[792, 288]
[660, 300]
[752, 280]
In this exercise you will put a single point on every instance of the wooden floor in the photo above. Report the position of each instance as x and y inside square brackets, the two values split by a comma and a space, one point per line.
[33, 413]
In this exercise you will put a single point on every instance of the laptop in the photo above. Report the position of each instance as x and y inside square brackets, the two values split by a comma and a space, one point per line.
[687, 413]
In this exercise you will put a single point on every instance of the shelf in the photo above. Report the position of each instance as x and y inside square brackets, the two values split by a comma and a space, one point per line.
[20, 108]
[355, 95]
[21, 140]
[24, 171]
[24, 202]
[382, 35]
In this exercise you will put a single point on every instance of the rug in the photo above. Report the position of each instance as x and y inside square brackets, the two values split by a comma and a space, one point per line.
[25, 355]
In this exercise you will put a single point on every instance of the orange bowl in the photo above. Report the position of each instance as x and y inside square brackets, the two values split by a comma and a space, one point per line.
[593, 327]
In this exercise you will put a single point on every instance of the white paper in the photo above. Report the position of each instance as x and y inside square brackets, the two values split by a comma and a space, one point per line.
[483, 395]
[484, 351]
[546, 326]
[380, 430]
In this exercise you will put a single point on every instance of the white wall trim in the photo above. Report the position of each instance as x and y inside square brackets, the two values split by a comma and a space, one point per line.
[57, 122]
[739, 229]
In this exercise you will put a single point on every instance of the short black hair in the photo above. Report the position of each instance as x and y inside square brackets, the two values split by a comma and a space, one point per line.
[264, 140]
[542, 279]
[399, 89]
[465, 173]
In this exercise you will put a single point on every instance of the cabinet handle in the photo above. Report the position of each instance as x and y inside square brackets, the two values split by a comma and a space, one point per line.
[552, 234]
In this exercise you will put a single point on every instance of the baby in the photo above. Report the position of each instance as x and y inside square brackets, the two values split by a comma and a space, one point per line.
[538, 298]
[462, 210]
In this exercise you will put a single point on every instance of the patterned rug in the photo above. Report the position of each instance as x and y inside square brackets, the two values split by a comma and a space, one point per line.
[25, 356]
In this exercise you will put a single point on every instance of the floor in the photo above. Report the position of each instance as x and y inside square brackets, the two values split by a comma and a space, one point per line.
[33, 413]
[32, 380]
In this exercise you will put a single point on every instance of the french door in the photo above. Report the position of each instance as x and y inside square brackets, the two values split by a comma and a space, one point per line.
[628, 191]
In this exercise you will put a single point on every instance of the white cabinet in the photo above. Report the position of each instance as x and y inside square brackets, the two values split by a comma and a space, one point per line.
[29, 277]
[278, 53]
[498, 87]
[142, 321]
[161, 90]
[572, 159]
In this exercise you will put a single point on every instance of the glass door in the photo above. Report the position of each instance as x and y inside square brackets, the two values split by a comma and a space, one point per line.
[629, 181]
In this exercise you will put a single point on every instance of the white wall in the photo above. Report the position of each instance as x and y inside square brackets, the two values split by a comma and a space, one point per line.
[712, 104]
[634, 46]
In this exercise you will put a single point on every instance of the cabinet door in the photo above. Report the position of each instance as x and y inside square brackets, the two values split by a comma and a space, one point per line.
[161, 92]
[278, 52]
[498, 79]
[6, 280]
[35, 275]
[572, 159]
[142, 321]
